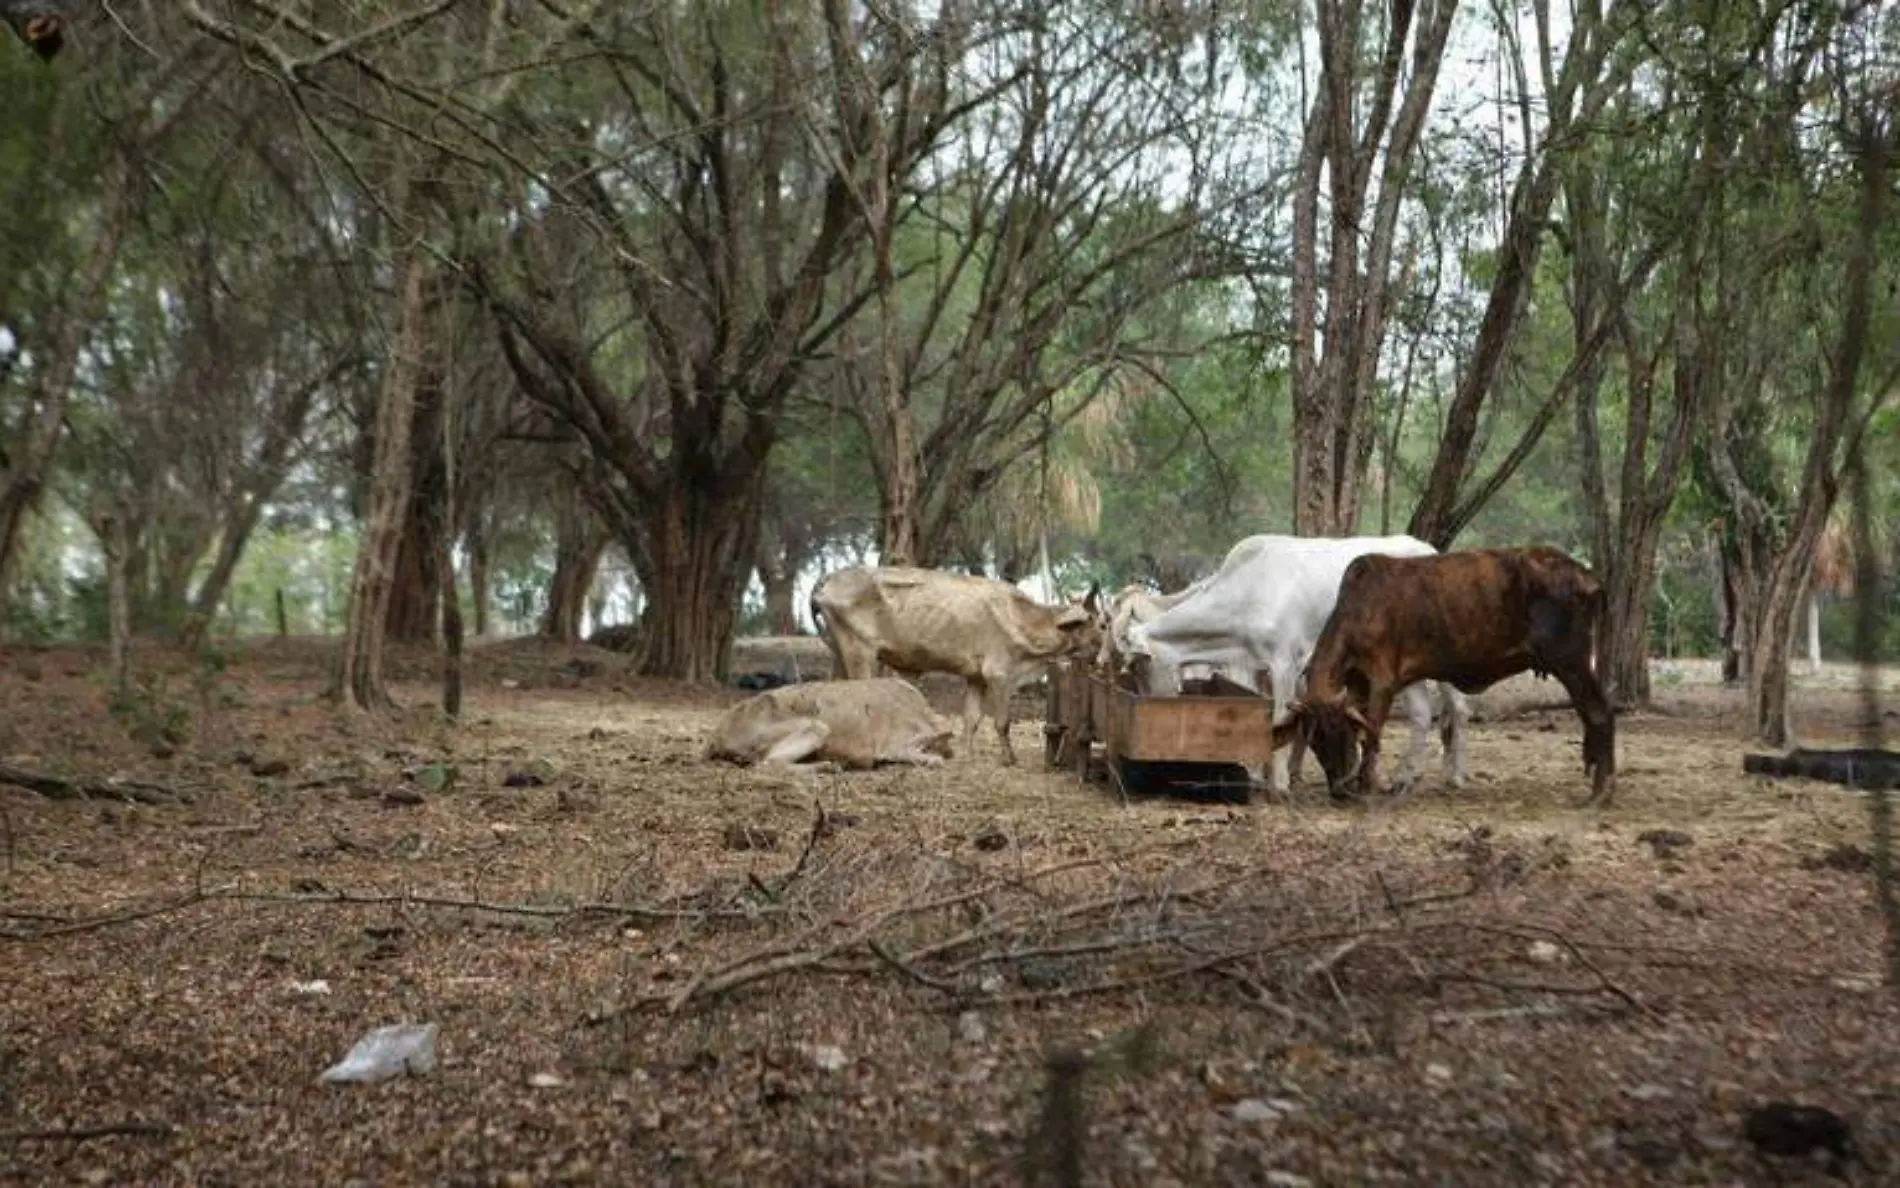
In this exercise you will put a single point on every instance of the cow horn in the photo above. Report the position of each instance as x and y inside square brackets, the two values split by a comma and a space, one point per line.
[1358, 720]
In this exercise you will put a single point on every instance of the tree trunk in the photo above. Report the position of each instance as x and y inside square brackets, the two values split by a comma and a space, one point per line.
[31, 454]
[415, 602]
[698, 551]
[1814, 632]
[359, 681]
[451, 615]
[238, 526]
[577, 552]
[1623, 651]
[1730, 588]
[1789, 575]
[475, 540]
[1768, 669]
[112, 542]
[781, 615]
[246, 502]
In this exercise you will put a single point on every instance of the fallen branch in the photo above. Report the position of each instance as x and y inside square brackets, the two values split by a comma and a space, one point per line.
[57, 788]
[55, 926]
[81, 1134]
[94, 923]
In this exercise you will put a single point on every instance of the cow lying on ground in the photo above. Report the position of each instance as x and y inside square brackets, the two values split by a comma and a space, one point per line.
[924, 620]
[1264, 609]
[856, 724]
[1470, 619]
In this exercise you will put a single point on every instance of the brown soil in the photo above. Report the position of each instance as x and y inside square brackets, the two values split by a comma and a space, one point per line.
[651, 970]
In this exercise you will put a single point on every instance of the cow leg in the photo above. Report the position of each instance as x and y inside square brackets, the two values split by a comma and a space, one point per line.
[1296, 757]
[1457, 718]
[1378, 708]
[1418, 707]
[1000, 693]
[1599, 730]
[972, 714]
[792, 740]
[1285, 686]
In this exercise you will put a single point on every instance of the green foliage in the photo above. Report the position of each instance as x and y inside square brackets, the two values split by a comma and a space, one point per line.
[312, 569]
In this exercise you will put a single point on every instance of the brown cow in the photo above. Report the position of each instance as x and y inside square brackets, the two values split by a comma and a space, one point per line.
[915, 621]
[855, 724]
[1469, 619]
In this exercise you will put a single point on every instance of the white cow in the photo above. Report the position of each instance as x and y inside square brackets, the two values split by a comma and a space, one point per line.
[1264, 609]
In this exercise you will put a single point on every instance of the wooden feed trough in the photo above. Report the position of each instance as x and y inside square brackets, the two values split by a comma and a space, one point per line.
[1193, 739]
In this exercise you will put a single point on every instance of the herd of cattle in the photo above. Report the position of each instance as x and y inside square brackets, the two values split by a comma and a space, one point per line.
[1334, 630]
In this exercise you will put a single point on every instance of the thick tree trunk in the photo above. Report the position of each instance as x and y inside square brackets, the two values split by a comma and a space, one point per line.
[1623, 651]
[577, 551]
[698, 549]
[359, 681]
[1768, 668]
[415, 601]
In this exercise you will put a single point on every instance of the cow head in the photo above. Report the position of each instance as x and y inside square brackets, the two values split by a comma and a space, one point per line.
[1079, 623]
[1334, 731]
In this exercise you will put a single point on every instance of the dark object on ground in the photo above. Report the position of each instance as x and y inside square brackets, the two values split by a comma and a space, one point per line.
[620, 637]
[1665, 842]
[1842, 856]
[759, 682]
[1857, 768]
[749, 837]
[40, 23]
[1790, 1130]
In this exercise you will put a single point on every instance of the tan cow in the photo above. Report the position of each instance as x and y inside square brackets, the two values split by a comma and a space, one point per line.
[915, 621]
[856, 724]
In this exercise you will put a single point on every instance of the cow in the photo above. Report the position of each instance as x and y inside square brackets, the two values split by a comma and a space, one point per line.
[1470, 619]
[1264, 609]
[855, 724]
[1117, 616]
[1137, 603]
[915, 621]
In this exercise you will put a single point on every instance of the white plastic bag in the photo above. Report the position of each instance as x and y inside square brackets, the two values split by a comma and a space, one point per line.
[387, 1052]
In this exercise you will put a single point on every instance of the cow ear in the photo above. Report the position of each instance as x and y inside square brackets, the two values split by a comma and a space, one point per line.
[1073, 617]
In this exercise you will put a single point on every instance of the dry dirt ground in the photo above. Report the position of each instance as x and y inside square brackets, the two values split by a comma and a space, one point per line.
[650, 970]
